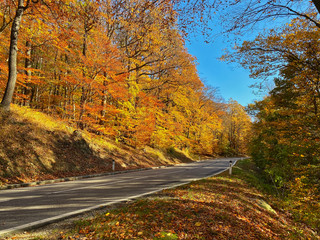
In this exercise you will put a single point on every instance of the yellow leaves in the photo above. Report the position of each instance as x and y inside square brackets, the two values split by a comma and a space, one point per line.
[137, 84]
[197, 224]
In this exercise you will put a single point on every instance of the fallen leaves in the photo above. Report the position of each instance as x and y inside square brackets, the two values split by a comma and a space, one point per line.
[197, 224]
[217, 208]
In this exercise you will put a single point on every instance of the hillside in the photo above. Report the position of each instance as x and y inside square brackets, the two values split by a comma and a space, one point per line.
[34, 146]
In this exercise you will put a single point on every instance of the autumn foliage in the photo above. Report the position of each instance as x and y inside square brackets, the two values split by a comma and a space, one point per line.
[286, 132]
[118, 69]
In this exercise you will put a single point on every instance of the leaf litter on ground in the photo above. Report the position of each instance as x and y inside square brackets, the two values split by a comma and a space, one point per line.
[215, 208]
[222, 207]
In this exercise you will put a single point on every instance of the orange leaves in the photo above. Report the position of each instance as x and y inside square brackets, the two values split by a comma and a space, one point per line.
[206, 209]
[116, 68]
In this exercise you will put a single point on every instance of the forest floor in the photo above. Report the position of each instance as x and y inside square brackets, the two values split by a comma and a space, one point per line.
[220, 207]
[35, 147]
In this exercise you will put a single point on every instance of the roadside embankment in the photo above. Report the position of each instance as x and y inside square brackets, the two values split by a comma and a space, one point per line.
[35, 147]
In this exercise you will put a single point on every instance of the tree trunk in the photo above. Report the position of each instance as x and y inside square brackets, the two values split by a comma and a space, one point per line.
[27, 65]
[104, 98]
[12, 63]
[83, 99]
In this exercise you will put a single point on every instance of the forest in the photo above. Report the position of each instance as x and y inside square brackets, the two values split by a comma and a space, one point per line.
[118, 69]
[285, 141]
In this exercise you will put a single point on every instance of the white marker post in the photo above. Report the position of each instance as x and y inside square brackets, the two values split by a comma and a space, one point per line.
[113, 165]
[230, 167]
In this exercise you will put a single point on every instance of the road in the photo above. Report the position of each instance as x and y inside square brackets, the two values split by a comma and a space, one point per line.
[26, 208]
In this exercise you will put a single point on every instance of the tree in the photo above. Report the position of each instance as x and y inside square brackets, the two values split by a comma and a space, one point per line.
[249, 13]
[286, 137]
[12, 62]
[292, 51]
[6, 17]
[21, 7]
[236, 128]
[116, 68]
[240, 16]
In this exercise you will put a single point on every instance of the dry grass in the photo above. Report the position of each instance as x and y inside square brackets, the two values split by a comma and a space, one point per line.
[39, 119]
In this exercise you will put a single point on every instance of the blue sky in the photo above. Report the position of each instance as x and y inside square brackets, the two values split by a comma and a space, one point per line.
[232, 80]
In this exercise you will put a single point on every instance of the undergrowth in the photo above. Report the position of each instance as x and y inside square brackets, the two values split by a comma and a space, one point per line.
[304, 209]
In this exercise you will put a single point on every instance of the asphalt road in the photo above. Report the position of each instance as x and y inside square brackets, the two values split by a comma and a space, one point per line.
[26, 208]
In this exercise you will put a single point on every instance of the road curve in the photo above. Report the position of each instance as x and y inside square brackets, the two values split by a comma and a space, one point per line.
[26, 208]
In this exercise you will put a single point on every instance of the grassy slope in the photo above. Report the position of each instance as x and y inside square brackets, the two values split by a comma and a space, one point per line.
[221, 207]
[34, 146]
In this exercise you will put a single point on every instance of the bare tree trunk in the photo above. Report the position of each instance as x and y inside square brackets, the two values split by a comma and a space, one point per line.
[104, 97]
[12, 63]
[83, 99]
[27, 73]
